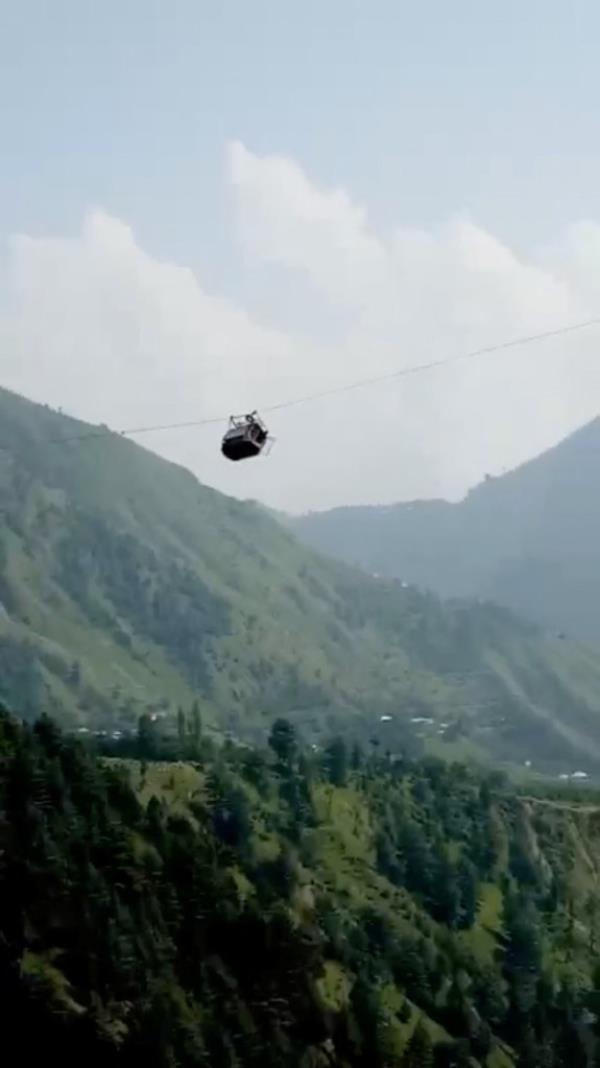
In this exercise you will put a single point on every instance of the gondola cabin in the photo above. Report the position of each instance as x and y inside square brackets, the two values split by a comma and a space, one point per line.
[246, 436]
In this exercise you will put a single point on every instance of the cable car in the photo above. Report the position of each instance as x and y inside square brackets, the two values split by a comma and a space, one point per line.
[246, 436]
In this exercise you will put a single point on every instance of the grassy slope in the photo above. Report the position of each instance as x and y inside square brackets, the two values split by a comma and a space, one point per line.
[100, 537]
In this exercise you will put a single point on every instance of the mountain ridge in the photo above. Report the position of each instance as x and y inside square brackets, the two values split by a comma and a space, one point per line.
[527, 539]
[127, 587]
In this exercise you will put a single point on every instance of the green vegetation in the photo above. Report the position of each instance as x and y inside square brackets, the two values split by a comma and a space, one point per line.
[127, 588]
[415, 913]
[528, 539]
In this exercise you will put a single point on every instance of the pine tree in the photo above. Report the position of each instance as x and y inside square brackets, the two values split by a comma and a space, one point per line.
[282, 740]
[467, 883]
[356, 758]
[336, 762]
[419, 1051]
[181, 729]
[196, 728]
[591, 907]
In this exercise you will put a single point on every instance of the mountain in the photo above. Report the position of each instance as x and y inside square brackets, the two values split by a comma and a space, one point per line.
[275, 908]
[529, 540]
[126, 588]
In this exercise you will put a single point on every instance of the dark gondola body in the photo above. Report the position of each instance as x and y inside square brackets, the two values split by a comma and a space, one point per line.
[246, 437]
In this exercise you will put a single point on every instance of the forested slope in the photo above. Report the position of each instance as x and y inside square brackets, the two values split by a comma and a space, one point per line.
[126, 587]
[180, 905]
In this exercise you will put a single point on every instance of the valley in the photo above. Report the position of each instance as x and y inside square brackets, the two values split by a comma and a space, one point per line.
[128, 588]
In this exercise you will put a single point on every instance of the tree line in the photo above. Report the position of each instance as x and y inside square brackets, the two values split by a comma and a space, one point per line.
[205, 933]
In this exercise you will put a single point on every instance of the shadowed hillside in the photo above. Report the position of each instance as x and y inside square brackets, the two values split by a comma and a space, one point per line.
[127, 587]
[529, 540]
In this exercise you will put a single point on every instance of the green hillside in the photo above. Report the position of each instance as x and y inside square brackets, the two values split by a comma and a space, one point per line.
[278, 908]
[127, 587]
[529, 540]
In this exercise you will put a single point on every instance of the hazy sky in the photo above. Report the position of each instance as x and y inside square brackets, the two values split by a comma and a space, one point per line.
[206, 207]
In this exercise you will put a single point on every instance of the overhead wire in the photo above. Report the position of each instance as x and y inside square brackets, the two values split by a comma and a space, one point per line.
[434, 364]
[361, 383]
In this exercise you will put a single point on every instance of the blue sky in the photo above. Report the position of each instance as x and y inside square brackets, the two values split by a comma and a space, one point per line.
[422, 112]
[422, 109]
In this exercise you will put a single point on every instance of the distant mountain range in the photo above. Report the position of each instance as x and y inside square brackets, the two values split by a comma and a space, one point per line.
[127, 587]
[529, 540]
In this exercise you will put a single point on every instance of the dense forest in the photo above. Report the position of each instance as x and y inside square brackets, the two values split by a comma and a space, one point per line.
[173, 903]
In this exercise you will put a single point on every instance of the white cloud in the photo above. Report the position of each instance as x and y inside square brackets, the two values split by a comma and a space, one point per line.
[97, 326]
[286, 219]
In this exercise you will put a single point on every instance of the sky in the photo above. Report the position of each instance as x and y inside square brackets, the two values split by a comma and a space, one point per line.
[207, 208]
